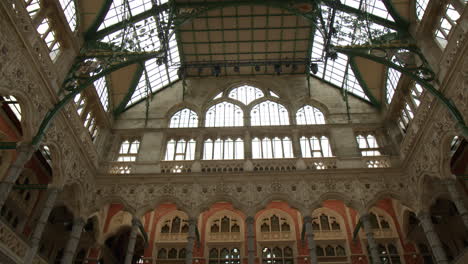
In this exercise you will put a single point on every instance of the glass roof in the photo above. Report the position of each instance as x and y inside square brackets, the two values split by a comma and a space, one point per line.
[351, 30]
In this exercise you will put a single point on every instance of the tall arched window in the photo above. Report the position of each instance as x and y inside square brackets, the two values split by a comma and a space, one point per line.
[69, 10]
[184, 118]
[325, 222]
[275, 148]
[393, 76]
[379, 221]
[416, 93]
[388, 253]
[309, 115]
[225, 224]
[223, 149]
[80, 102]
[275, 223]
[224, 114]
[174, 225]
[405, 118]
[90, 124]
[315, 147]
[180, 150]
[447, 22]
[246, 94]
[269, 113]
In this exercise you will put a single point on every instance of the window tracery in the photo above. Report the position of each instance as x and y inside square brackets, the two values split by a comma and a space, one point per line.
[378, 221]
[309, 115]
[368, 145]
[325, 222]
[90, 125]
[174, 225]
[421, 6]
[388, 253]
[69, 11]
[278, 255]
[181, 149]
[405, 118]
[272, 148]
[393, 77]
[171, 254]
[12, 103]
[275, 224]
[80, 102]
[184, 118]
[269, 113]
[330, 251]
[223, 149]
[225, 224]
[246, 94]
[33, 7]
[224, 256]
[315, 147]
[224, 114]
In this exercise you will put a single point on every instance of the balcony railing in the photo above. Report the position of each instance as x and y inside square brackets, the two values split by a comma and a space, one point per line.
[278, 235]
[328, 234]
[225, 236]
[172, 237]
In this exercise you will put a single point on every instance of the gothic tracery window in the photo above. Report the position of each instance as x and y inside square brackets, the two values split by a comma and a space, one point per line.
[173, 225]
[269, 113]
[278, 255]
[101, 88]
[12, 103]
[47, 34]
[388, 253]
[446, 24]
[184, 118]
[272, 148]
[309, 115]
[224, 114]
[181, 149]
[275, 223]
[246, 94]
[223, 149]
[225, 224]
[315, 147]
[224, 256]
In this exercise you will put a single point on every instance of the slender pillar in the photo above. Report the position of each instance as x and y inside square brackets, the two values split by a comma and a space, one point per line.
[310, 240]
[190, 240]
[433, 238]
[250, 239]
[296, 144]
[73, 241]
[132, 241]
[457, 199]
[373, 247]
[23, 155]
[247, 145]
[41, 224]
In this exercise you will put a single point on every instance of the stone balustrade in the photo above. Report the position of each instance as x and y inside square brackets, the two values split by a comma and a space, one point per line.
[256, 165]
[172, 237]
[329, 235]
[225, 236]
[277, 236]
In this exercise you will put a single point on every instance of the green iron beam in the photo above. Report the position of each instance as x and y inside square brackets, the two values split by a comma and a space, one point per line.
[362, 51]
[69, 97]
[30, 187]
[7, 145]
[99, 19]
[401, 21]
[244, 41]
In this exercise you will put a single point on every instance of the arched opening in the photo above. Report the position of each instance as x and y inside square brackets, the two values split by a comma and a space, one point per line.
[117, 246]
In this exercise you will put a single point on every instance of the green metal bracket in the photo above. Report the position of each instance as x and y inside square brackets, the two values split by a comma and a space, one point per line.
[86, 82]
[99, 19]
[402, 22]
[363, 51]
[7, 145]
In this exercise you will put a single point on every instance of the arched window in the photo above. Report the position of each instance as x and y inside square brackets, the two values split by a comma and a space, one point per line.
[388, 254]
[69, 10]
[224, 114]
[13, 105]
[48, 35]
[278, 254]
[172, 254]
[393, 77]
[315, 147]
[224, 255]
[416, 93]
[269, 113]
[223, 149]
[184, 118]
[246, 94]
[275, 224]
[101, 88]
[421, 8]
[162, 253]
[90, 124]
[180, 150]
[227, 223]
[320, 251]
[325, 222]
[275, 148]
[405, 118]
[368, 145]
[309, 115]
[80, 102]
[175, 227]
[379, 221]
[447, 22]
[128, 151]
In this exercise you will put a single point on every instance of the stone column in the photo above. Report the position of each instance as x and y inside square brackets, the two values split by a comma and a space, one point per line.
[310, 240]
[247, 145]
[458, 200]
[190, 240]
[249, 221]
[73, 241]
[373, 247]
[132, 241]
[199, 146]
[24, 153]
[433, 238]
[41, 224]
[296, 144]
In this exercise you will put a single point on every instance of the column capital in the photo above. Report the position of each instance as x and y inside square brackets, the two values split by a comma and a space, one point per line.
[307, 219]
[249, 220]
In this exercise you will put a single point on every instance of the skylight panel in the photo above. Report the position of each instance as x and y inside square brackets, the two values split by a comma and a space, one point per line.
[374, 7]
[101, 89]
[421, 6]
[120, 11]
